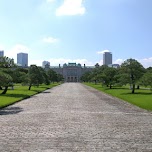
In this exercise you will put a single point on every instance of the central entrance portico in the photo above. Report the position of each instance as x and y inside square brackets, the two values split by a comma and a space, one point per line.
[72, 79]
[72, 72]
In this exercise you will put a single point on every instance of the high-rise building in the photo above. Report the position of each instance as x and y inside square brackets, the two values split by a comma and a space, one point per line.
[107, 58]
[45, 63]
[1, 53]
[22, 59]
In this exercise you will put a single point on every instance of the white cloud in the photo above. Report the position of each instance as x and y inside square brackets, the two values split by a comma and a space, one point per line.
[147, 62]
[118, 61]
[36, 62]
[50, 40]
[71, 7]
[102, 52]
[100, 62]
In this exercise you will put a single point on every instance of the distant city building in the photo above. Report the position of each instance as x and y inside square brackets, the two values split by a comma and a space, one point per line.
[45, 64]
[72, 72]
[107, 58]
[114, 65]
[1, 53]
[22, 59]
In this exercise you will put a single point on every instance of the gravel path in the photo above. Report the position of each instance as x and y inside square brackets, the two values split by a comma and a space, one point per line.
[74, 118]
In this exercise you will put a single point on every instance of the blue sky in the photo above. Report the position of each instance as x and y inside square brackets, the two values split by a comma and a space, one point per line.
[62, 31]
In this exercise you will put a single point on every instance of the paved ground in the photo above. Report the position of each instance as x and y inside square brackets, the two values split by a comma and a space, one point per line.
[74, 118]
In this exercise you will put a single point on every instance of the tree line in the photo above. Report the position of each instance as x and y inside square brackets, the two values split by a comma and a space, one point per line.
[130, 72]
[10, 73]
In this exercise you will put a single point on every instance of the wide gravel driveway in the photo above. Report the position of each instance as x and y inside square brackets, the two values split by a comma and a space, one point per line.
[74, 118]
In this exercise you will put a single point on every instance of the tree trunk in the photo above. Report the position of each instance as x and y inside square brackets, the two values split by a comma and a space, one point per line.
[30, 87]
[5, 90]
[138, 87]
[95, 82]
[110, 86]
[133, 88]
[1, 88]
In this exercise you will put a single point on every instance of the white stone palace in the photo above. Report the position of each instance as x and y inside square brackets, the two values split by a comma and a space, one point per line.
[72, 72]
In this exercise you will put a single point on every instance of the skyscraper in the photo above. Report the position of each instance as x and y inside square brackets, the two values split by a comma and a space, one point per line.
[107, 58]
[1, 53]
[22, 59]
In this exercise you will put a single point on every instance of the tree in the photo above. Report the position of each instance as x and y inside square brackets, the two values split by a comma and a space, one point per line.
[149, 69]
[17, 74]
[108, 76]
[133, 71]
[5, 81]
[6, 64]
[34, 76]
[44, 75]
[100, 75]
[94, 75]
[86, 76]
[52, 75]
[97, 72]
[122, 79]
[146, 79]
[97, 65]
[59, 77]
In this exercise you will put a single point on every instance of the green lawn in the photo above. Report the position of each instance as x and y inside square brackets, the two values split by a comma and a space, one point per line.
[21, 92]
[142, 97]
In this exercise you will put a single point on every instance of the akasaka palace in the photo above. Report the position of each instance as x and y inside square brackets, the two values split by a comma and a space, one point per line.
[72, 72]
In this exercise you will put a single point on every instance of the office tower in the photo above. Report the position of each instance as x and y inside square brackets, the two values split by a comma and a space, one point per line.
[107, 58]
[22, 59]
[1, 53]
[45, 63]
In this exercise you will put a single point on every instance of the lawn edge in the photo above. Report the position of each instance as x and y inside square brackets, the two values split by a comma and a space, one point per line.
[122, 100]
[29, 96]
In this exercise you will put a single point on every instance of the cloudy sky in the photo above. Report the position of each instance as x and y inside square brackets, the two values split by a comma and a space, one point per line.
[79, 31]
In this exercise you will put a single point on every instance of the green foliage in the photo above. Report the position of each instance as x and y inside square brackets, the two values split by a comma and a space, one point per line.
[130, 72]
[5, 79]
[86, 76]
[134, 70]
[5, 69]
[108, 76]
[35, 76]
[104, 74]
[60, 78]
[146, 80]
[149, 69]
[122, 79]
[18, 74]
[6, 62]
[45, 77]
[52, 75]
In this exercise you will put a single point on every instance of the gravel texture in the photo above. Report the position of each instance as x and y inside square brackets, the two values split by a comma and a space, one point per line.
[74, 118]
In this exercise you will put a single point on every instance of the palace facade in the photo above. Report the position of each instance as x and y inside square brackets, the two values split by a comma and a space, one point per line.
[72, 72]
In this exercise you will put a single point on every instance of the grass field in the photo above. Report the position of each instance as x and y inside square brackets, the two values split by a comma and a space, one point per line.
[141, 98]
[21, 92]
